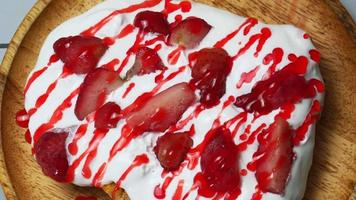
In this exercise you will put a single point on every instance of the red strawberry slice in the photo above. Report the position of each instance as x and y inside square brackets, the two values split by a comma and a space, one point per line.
[276, 151]
[147, 61]
[219, 162]
[80, 54]
[163, 109]
[97, 84]
[108, 116]
[210, 67]
[189, 32]
[281, 88]
[172, 148]
[51, 155]
[210, 60]
[154, 22]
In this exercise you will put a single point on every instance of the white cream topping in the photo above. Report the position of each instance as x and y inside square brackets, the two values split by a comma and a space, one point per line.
[140, 183]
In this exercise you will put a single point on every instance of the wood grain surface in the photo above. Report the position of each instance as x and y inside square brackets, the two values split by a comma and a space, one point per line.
[333, 174]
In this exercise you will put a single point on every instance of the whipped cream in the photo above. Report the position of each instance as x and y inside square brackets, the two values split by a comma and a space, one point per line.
[140, 183]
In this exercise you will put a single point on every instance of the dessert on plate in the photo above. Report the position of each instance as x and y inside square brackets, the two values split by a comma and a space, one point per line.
[175, 100]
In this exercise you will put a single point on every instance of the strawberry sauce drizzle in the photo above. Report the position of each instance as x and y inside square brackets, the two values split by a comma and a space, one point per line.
[275, 58]
[57, 115]
[173, 57]
[139, 161]
[179, 191]
[54, 58]
[94, 29]
[248, 24]
[247, 77]
[260, 37]
[22, 118]
[73, 146]
[315, 55]
[311, 118]
[170, 7]
[98, 135]
[128, 90]
[111, 65]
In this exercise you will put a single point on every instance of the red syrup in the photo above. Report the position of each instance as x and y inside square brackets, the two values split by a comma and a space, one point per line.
[247, 77]
[85, 198]
[260, 37]
[170, 7]
[93, 145]
[275, 58]
[179, 191]
[248, 24]
[139, 161]
[173, 57]
[311, 118]
[28, 137]
[54, 58]
[315, 55]
[43, 98]
[22, 118]
[73, 146]
[57, 115]
[306, 36]
[160, 189]
[132, 8]
[128, 90]
[112, 64]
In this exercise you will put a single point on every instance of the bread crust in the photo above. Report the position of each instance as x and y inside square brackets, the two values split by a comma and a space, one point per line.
[117, 195]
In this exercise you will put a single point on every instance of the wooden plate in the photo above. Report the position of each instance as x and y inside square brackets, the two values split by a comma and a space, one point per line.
[333, 175]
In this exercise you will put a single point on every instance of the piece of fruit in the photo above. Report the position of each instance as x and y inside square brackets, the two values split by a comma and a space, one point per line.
[210, 67]
[172, 148]
[189, 32]
[147, 61]
[162, 110]
[210, 60]
[281, 88]
[80, 54]
[275, 154]
[96, 86]
[108, 116]
[154, 22]
[51, 155]
[219, 162]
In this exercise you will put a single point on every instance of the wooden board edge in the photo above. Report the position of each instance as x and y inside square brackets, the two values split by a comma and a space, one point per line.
[25, 26]
[5, 67]
[344, 17]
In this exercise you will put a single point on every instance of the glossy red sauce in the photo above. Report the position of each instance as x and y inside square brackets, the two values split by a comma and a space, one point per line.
[315, 55]
[22, 118]
[247, 77]
[128, 90]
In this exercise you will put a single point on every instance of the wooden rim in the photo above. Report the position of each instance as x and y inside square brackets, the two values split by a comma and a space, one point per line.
[11, 51]
[26, 24]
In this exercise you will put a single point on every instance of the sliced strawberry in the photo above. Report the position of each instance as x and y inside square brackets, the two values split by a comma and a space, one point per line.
[172, 148]
[210, 68]
[97, 84]
[108, 116]
[219, 162]
[210, 60]
[154, 22]
[189, 32]
[147, 61]
[163, 109]
[80, 54]
[276, 158]
[51, 155]
[281, 88]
